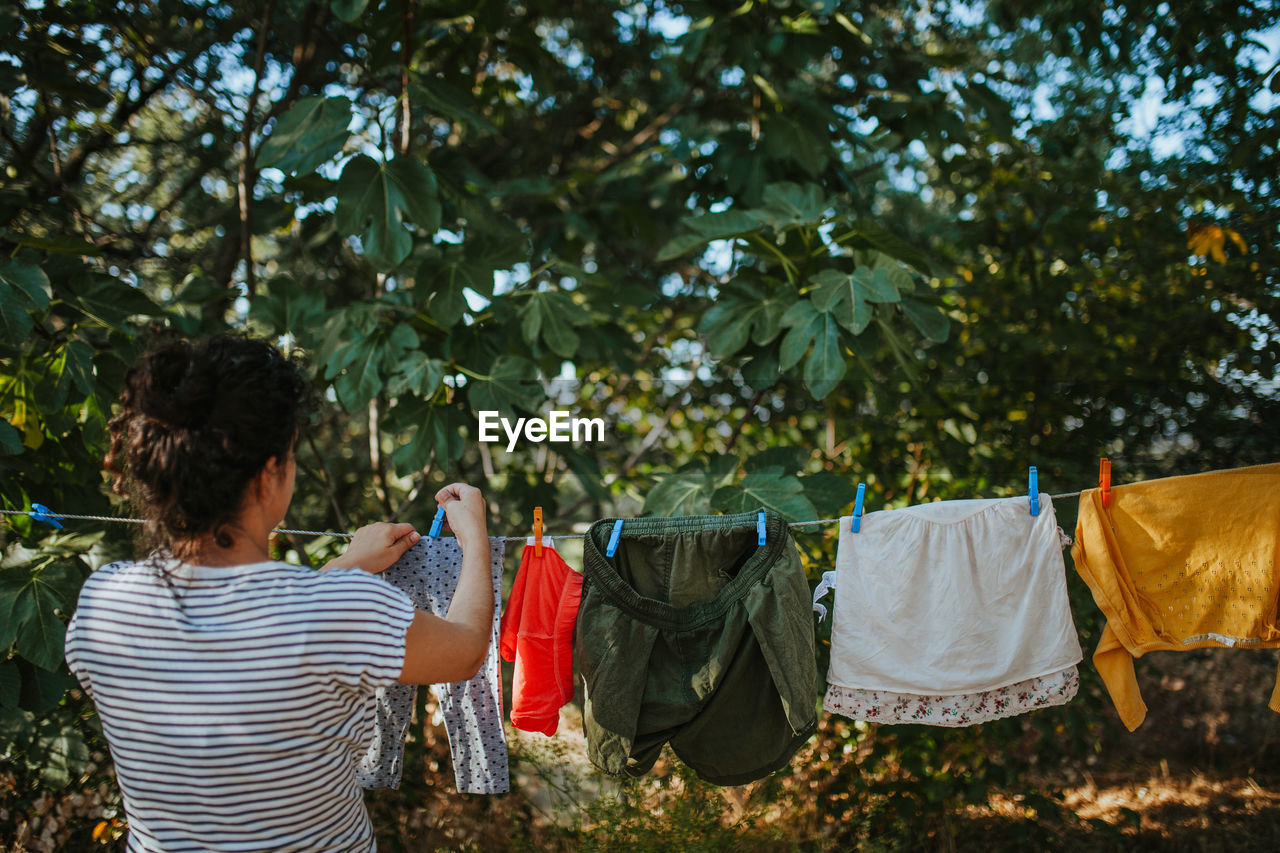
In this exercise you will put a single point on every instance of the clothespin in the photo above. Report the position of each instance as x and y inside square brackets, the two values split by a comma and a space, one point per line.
[1034, 488]
[40, 512]
[437, 523]
[760, 528]
[856, 524]
[1104, 481]
[537, 530]
[613, 539]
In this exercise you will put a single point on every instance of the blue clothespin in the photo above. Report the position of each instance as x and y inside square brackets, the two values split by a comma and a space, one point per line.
[1034, 480]
[760, 528]
[40, 512]
[613, 539]
[856, 525]
[437, 523]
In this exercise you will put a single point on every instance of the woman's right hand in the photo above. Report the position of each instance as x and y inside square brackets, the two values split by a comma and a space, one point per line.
[464, 506]
[376, 546]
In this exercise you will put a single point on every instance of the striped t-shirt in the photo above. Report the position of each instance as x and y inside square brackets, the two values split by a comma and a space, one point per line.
[237, 701]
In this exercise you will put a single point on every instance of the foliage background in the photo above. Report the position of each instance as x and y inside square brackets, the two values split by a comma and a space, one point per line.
[780, 247]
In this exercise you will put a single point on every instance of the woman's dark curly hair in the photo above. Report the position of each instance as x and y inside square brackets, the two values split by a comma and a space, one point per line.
[198, 422]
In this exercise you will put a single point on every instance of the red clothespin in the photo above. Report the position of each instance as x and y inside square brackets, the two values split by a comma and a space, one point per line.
[537, 530]
[1104, 481]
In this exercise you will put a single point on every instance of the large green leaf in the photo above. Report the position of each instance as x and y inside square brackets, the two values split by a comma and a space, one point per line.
[29, 279]
[23, 288]
[689, 490]
[308, 134]
[58, 244]
[377, 200]
[845, 296]
[77, 363]
[681, 493]
[761, 372]
[877, 283]
[450, 269]
[553, 315]
[742, 313]
[355, 369]
[437, 437]
[788, 204]
[770, 488]
[107, 300]
[52, 386]
[877, 278]
[510, 385]
[825, 366]
[448, 303]
[365, 360]
[418, 374]
[29, 600]
[804, 322]
[442, 98]
[830, 493]
[286, 307]
[929, 319]
[708, 227]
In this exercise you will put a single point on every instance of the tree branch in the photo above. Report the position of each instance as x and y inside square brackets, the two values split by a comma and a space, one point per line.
[303, 55]
[248, 174]
[338, 515]
[375, 456]
[404, 117]
[737, 428]
[414, 492]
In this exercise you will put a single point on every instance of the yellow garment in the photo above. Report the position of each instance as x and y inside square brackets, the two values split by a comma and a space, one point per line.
[1181, 563]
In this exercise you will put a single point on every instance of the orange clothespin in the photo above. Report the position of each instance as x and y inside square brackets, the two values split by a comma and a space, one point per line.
[537, 530]
[1104, 481]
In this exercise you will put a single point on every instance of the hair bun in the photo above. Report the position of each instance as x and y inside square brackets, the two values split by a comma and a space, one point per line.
[172, 389]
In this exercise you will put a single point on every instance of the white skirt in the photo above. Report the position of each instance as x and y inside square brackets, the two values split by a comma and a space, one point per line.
[951, 613]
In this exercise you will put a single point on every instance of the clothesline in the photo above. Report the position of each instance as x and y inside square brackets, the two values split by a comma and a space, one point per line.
[45, 513]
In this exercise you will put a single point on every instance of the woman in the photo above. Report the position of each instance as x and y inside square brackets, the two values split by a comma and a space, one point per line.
[235, 691]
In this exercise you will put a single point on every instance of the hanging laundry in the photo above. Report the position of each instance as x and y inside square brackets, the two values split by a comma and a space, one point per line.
[951, 614]
[1181, 563]
[537, 634]
[472, 710]
[695, 633]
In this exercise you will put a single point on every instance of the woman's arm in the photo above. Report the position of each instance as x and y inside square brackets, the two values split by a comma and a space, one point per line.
[453, 648]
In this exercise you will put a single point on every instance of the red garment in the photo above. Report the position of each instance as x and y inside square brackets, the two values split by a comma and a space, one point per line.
[537, 633]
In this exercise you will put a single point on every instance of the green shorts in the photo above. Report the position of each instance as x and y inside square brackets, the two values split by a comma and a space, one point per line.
[695, 634]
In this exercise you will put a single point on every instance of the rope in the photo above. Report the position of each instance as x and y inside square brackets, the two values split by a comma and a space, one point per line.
[76, 517]
[334, 533]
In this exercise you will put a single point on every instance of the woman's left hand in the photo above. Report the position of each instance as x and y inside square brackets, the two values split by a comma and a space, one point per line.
[376, 546]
